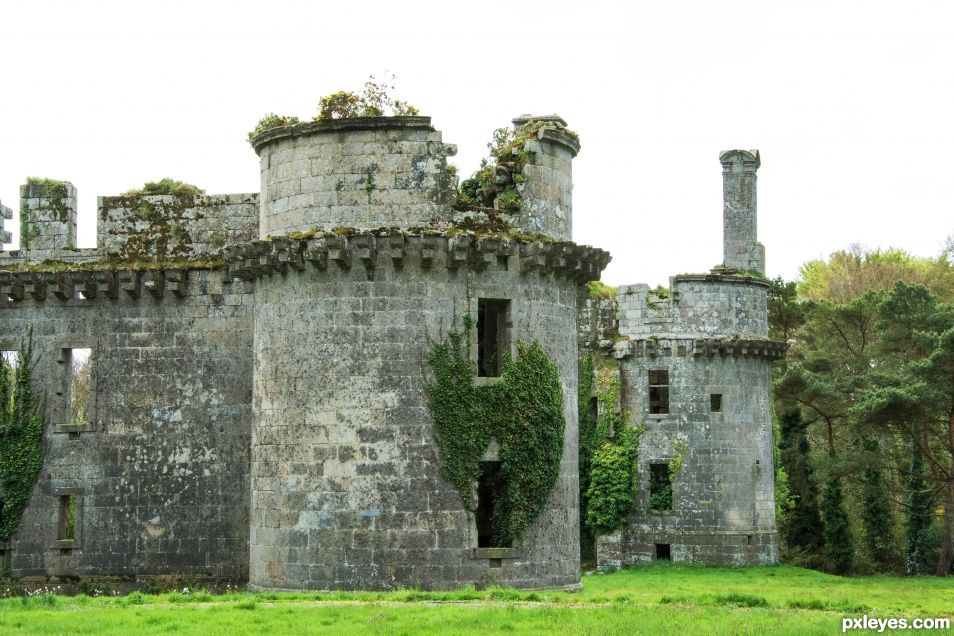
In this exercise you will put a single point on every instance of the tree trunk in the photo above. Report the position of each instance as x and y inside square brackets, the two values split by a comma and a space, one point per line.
[947, 549]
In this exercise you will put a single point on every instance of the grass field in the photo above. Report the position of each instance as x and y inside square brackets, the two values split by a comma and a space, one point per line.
[654, 599]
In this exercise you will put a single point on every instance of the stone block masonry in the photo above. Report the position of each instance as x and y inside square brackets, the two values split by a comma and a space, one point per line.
[259, 362]
[695, 369]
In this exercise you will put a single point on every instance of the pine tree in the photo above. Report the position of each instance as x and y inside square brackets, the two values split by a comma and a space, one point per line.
[876, 516]
[839, 548]
[801, 527]
[919, 518]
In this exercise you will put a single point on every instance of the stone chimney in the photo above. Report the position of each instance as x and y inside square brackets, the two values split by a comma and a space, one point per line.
[741, 249]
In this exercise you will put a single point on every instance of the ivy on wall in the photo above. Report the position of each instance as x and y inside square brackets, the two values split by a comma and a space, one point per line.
[612, 448]
[523, 412]
[21, 438]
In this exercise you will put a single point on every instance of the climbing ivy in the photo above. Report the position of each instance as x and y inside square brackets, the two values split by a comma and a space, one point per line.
[612, 446]
[21, 438]
[523, 412]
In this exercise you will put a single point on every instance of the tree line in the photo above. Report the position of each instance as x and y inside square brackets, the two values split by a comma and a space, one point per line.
[864, 402]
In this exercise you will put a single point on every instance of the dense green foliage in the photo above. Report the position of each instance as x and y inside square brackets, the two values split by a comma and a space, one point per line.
[21, 438]
[871, 371]
[658, 598]
[918, 518]
[523, 412]
[270, 122]
[166, 186]
[839, 545]
[609, 451]
[587, 437]
[801, 524]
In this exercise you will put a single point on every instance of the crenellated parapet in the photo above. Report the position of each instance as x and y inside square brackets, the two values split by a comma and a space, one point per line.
[47, 219]
[373, 250]
[90, 284]
[164, 227]
[698, 348]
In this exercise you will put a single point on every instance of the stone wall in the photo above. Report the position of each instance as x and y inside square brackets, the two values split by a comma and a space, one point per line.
[170, 227]
[361, 173]
[346, 491]
[161, 469]
[47, 219]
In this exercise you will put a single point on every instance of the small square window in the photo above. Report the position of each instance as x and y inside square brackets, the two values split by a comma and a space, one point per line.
[715, 402]
[658, 392]
[663, 552]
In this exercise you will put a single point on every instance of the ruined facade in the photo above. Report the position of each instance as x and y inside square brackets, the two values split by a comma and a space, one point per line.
[257, 369]
[694, 365]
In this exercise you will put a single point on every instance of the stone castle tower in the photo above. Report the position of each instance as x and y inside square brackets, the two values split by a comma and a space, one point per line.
[694, 366]
[257, 407]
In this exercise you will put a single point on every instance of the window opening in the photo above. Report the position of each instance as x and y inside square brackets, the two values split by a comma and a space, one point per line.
[80, 367]
[492, 344]
[715, 402]
[658, 392]
[663, 552]
[488, 490]
[660, 487]
[67, 525]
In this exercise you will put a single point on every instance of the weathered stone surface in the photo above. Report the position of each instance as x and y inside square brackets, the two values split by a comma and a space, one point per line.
[710, 333]
[267, 421]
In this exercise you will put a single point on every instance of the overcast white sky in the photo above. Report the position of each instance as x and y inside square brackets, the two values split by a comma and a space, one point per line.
[850, 103]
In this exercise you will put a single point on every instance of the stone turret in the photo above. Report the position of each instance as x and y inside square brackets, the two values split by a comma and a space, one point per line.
[741, 249]
[362, 173]
[547, 192]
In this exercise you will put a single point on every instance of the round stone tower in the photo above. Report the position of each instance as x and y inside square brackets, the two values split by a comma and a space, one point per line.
[362, 271]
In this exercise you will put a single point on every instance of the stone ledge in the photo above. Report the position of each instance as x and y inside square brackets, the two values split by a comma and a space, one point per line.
[496, 553]
[367, 249]
[305, 129]
[709, 347]
[92, 284]
[722, 278]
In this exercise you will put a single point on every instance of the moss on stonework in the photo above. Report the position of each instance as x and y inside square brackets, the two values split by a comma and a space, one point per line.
[114, 264]
[498, 182]
[45, 188]
[165, 186]
[523, 412]
[164, 235]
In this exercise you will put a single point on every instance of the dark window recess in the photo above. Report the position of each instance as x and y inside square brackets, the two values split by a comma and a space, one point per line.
[662, 552]
[658, 392]
[715, 402]
[660, 487]
[67, 524]
[594, 410]
[488, 492]
[492, 345]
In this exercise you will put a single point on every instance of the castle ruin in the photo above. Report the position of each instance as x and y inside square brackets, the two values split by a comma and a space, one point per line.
[257, 407]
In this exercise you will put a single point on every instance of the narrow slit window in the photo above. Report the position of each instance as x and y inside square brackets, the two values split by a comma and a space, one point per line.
[658, 392]
[79, 388]
[488, 492]
[663, 552]
[9, 361]
[715, 402]
[660, 487]
[492, 336]
[594, 410]
[67, 522]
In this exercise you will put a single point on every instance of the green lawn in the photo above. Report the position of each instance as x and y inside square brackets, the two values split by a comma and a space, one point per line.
[651, 599]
